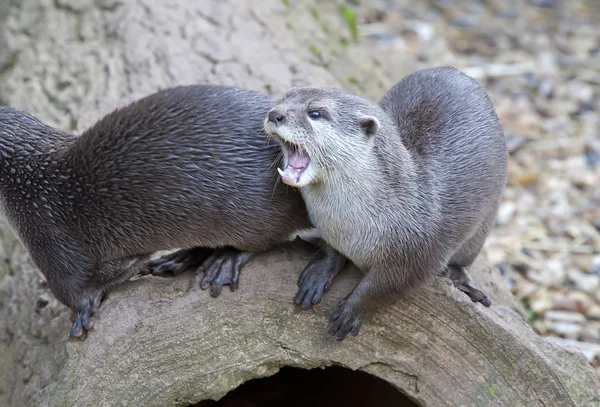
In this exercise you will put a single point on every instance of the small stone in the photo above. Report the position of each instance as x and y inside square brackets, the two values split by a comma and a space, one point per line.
[589, 283]
[514, 142]
[574, 302]
[508, 12]
[593, 312]
[567, 329]
[466, 21]
[595, 268]
[565, 316]
[496, 255]
[545, 88]
[592, 159]
[591, 333]
[582, 261]
[555, 226]
[540, 301]
[522, 268]
[527, 178]
[553, 274]
[581, 91]
[506, 212]
[540, 327]
[545, 3]
[547, 62]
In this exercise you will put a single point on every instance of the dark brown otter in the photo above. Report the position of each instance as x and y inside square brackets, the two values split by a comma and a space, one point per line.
[187, 167]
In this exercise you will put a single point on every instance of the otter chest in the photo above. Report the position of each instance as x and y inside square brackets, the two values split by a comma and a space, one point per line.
[344, 223]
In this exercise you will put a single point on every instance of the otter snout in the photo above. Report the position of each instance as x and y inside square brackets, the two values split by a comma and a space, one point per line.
[276, 118]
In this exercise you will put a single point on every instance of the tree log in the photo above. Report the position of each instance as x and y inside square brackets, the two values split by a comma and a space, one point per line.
[164, 342]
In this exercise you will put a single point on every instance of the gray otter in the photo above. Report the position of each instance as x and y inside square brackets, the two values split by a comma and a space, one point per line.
[405, 190]
[187, 167]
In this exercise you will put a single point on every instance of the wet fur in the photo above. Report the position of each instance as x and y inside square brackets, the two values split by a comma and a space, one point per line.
[404, 188]
[184, 167]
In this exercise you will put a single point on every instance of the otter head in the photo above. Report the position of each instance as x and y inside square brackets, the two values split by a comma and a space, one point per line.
[321, 131]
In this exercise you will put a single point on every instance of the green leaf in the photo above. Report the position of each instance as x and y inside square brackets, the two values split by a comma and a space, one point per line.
[351, 19]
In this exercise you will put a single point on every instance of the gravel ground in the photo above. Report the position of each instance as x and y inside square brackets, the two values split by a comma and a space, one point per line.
[540, 62]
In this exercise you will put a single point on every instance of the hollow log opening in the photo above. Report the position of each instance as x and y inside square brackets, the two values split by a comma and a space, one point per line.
[332, 386]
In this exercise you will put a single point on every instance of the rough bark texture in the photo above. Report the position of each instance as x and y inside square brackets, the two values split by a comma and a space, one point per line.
[161, 342]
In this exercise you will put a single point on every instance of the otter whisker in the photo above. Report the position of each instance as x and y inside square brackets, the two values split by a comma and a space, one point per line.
[275, 174]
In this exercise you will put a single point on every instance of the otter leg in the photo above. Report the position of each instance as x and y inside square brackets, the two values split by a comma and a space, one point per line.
[223, 268]
[106, 276]
[70, 273]
[317, 277]
[381, 285]
[178, 262]
[465, 256]
[462, 280]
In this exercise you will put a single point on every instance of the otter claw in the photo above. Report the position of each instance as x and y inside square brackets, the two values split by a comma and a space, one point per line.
[474, 294]
[77, 328]
[83, 322]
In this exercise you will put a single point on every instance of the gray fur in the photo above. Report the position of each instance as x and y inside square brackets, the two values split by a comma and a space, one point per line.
[404, 188]
[184, 167]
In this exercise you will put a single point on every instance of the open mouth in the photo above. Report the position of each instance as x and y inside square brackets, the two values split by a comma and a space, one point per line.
[297, 162]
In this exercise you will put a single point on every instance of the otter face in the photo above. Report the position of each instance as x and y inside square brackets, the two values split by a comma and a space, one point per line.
[321, 130]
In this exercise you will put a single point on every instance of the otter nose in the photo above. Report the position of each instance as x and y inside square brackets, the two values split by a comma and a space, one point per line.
[276, 117]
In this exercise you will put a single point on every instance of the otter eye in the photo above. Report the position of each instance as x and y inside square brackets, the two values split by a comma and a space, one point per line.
[314, 114]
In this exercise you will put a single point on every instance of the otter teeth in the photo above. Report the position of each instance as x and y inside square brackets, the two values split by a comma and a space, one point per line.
[291, 175]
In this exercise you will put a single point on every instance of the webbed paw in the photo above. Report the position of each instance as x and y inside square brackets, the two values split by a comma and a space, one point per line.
[223, 268]
[345, 320]
[314, 282]
[177, 263]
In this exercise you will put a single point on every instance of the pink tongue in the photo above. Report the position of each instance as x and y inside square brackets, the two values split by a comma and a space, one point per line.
[298, 160]
[297, 163]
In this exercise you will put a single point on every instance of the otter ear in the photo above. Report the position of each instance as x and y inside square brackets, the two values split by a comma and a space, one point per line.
[370, 125]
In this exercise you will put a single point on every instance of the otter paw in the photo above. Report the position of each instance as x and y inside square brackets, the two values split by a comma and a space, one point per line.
[344, 321]
[83, 322]
[474, 294]
[176, 263]
[221, 268]
[314, 282]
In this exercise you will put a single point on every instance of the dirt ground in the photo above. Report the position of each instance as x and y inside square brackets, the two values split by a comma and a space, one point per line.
[540, 62]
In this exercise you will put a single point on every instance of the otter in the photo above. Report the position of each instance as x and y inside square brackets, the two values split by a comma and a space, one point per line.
[406, 189]
[185, 168]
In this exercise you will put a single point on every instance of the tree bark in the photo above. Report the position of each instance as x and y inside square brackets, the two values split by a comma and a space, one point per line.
[164, 342]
